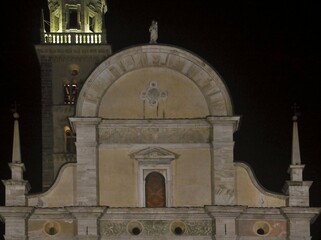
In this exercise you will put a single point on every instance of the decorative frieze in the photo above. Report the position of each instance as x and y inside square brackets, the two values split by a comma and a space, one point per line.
[154, 228]
[149, 132]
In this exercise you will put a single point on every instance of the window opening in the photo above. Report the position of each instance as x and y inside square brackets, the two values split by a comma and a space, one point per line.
[155, 190]
[73, 19]
[70, 92]
[92, 24]
[69, 141]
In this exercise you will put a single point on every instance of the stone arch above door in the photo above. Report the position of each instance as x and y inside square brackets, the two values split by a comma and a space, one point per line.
[205, 78]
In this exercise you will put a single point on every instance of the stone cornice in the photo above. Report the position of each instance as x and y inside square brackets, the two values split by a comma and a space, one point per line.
[148, 123]
[310, 213]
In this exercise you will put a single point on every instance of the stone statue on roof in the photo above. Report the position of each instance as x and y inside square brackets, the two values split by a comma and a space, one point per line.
[153, 29]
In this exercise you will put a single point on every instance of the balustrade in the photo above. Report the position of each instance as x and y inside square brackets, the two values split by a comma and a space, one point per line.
[73, 38]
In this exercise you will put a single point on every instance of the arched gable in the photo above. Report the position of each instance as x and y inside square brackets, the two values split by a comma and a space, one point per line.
[205, 78]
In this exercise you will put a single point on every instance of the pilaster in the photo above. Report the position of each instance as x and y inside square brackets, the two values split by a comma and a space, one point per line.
[16, 191]
[298, 192]
[87, 221]
[15, 222]
[225, 220]
[87, 160]
[222, 147]
[299, 220]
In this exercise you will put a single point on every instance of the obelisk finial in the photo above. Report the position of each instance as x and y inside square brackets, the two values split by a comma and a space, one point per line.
[296, 112]
[296, 159]
[14, 109]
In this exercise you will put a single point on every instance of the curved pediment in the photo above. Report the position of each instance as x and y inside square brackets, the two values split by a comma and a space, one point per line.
[186, 86]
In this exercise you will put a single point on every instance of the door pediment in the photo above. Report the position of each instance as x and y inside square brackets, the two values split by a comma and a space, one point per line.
[156, 155]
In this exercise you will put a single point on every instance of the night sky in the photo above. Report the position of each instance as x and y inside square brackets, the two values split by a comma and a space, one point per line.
[268, 54]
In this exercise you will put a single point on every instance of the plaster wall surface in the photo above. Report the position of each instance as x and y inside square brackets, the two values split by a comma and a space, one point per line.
[118, 177]
[176, 96]
[249, 192]
[61, 193]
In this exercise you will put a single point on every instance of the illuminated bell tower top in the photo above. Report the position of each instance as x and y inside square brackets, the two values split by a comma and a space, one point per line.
[76, 22]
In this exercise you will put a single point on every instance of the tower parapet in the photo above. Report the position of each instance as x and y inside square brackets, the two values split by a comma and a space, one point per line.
[75, 22]
[72, 44]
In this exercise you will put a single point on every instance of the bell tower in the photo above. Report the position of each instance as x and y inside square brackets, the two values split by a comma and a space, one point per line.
[73, 43]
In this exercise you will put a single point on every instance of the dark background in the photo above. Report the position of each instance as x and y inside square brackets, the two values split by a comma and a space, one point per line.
[268, 54]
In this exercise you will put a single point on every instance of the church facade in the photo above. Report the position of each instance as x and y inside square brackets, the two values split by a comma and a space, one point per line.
[139, 145]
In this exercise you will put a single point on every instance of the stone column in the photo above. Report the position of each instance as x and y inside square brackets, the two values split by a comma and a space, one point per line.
[87, 221]
[15, 222]
[87, 192]
[299, 220]
[225, 220]
[222, 147]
